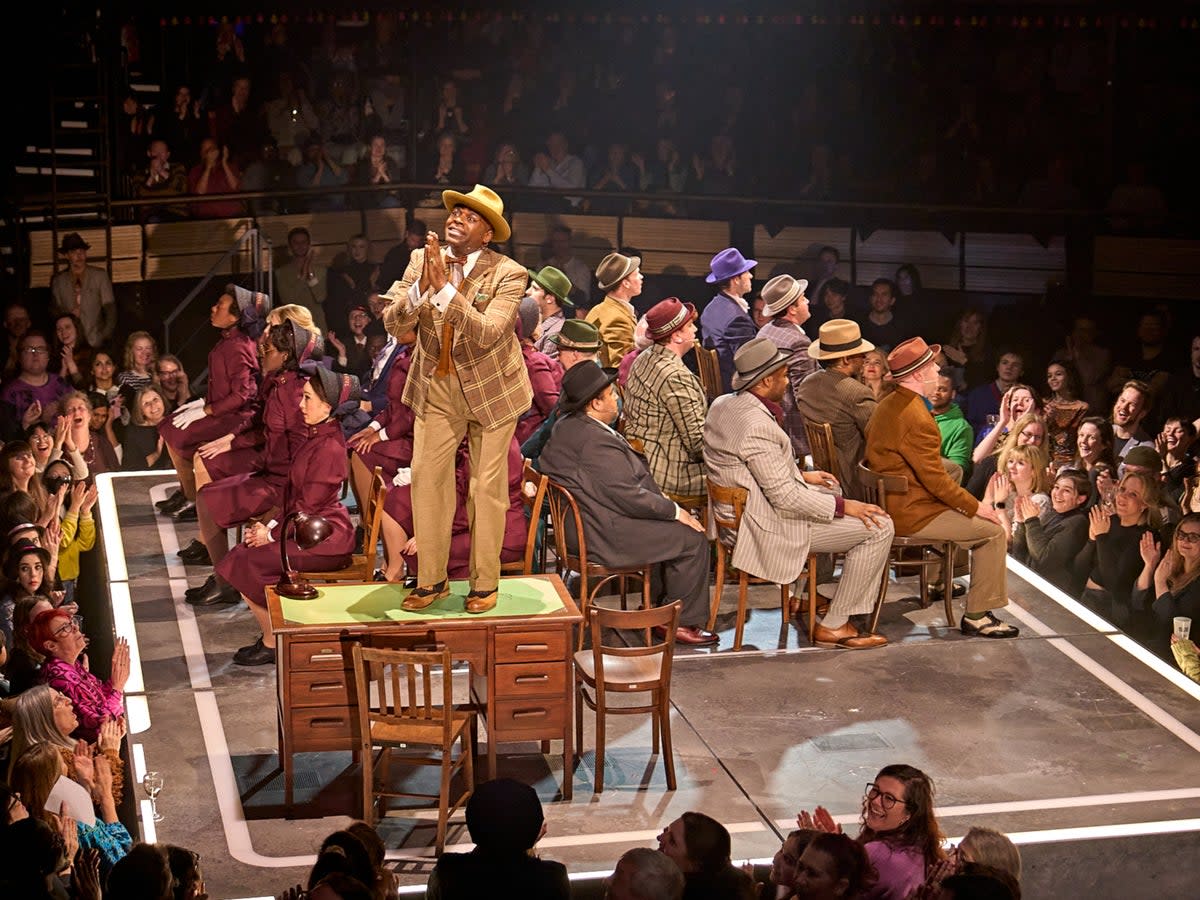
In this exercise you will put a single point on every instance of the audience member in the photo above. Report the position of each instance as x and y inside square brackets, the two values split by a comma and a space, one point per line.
[1064, 410]
[1176, 447]
[350, 283]
[562, 257]
[1149, 359]
[172, 382]
[1128, 412]
[103, 375]
[831, 301]
[700, 847]
[72, 356]
[620, 278]
[874, 373]
[969, 337]
[215, 174]
[984, 401]
[85, 292]
[1181, 396]
[957, 438]
[785, 308]
[725, 322]
[162, 179]
[139, 361]
[351, 355]
[35, 392]
[144, 873]
[1093, 361]
[1022, 473]
[1167, 587]
[320, 169]
[833, 867]
[16, 323]
[558, 168]
[378, 167]
[988, 847]
[644, 874]
[55, 633]
[882, 326]
[302, 280]
[545, 375]
[181, 128]
[1018, 401]
[290, 118]
[1049, 540]
[789, 513]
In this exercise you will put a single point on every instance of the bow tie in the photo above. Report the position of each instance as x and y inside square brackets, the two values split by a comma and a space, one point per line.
[452, 260]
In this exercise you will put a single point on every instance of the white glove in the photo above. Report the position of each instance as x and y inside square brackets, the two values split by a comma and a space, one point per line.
[191, 404]
[184, 417]
[403, 477]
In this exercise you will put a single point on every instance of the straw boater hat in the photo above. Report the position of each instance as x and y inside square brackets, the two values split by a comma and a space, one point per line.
[838, 338]
[581, 385]
[577, 334]
[666, 317]
[910, 356]
[755, 360]
[615, 268]
[781, 292]
[487, 203]
[555, 282]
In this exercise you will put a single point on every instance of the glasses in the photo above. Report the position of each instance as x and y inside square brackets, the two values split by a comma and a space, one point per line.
[162, 373]
[76, 624]
[1188, 537]
[887, 801]
[35, 351]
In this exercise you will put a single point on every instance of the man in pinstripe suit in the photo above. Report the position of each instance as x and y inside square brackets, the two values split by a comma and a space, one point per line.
[790, 514]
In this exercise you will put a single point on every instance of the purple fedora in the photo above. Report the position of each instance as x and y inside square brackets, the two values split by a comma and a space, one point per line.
[728, 263]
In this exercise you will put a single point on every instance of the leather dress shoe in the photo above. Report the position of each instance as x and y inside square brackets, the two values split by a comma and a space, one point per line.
[212, 593]
[848, 637]
[694, 635]
[482, 601]
[176, 500]
[256, 654]
[185, 513]
[195, 554]
[959, 590]
[989, 626]
[421, 597]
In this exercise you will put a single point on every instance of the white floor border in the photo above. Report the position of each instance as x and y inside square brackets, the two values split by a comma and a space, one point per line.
[237, 833]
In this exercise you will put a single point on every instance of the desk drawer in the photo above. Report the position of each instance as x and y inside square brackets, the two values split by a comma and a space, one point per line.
[321, 728]
[319, 654]
[326, 688]
[539, 679]
[530, 645]
[532, 719]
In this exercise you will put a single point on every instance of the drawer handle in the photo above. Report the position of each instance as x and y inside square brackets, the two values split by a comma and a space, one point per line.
[324, 655]
[531, 648]
[326, 723]
[524, 679]
[529, 714]
[327, 686]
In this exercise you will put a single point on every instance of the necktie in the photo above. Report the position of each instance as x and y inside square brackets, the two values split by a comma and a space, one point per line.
[445, 365]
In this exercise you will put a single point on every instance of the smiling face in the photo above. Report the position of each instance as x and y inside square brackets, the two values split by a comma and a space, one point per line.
[1175, 437]
[1033, 434]
[1088, 441]
[1019, 470]
[1130, 498]
[102, 368]
[671, 843]
[1064, 498]
[1129, 408]
[1056, 376]
[884, 804]
[152, 407]
[21, 467]
[1187, 541]
[41, 442]
[143, 353]
[64, 330]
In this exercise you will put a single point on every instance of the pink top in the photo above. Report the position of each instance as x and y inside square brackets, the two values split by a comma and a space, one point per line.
[94, 700]
[901, 870]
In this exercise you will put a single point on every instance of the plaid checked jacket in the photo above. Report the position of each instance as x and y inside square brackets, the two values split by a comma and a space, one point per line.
[665, 409]
[486, 351]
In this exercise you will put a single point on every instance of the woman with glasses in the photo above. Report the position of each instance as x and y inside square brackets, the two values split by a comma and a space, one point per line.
[1029, 430]
[1112, 556]
[898, 830]
[56, 634]
[1169, 584]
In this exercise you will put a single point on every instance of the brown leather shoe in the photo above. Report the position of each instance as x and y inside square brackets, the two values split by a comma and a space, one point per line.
[481, 601]
[847, 638]
[690, 634]
[421, 597]
[798, 605]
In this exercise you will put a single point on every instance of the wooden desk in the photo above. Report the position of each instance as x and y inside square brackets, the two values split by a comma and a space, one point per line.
[520, 663]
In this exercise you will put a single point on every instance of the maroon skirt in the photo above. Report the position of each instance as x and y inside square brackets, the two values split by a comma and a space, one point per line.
[185, 441]
[239, 498]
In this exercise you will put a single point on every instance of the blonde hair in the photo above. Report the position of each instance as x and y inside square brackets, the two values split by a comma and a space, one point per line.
[1152, 490]
[1038, 459]
[1014, 434]
[133, 339]
[1178, 576]
[34, 774]
[989, 847]
[292, 312]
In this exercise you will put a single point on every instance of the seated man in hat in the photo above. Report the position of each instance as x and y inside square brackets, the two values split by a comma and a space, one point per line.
[789, 514]
[834, 394]
[552, 291]
[626, 518]
[725, 322]
[664, 403]
[903, 439]
[785, 307]
[620, 277]
[577, 342]
[85, 292]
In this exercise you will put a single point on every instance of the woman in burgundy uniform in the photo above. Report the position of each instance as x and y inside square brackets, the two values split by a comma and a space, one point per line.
[248, 479]
[314, 487]
[232, 389]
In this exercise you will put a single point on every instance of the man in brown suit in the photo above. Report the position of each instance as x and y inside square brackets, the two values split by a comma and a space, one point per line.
[467, 378]
[903, 439]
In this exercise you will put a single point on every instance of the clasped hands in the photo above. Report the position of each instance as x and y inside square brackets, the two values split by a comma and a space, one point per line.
[434, 274]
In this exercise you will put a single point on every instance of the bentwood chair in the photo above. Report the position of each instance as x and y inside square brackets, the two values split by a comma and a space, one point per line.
[628, 669]
[362, 565]
[929, 552]
[820, 445]
[533, 496]
[727, 525]
[710, 371]
[403, 701]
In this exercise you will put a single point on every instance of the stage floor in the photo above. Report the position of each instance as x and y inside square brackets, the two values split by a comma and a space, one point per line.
[1069, 738]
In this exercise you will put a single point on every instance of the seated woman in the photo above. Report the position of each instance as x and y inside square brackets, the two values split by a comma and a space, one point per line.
[1167, 586]
[44, 715]
[1175, 446]
[1049, 540]
[142, 446]
[387, 440]
[899, 830]
[76, 532]
[402, 544]
[1022, 475]
[1027, 431]
[56, 634]
[34, 775]
[71, 357]
[232, 390]
[545, 374]
[24, 663]
[988, 847]
[1064, 410]
[249, 471]
[314, 488]
[700, 847]
[1016, 402]
[875, 373]
[18, 474]
[1111, 558]
[98, 455]
[833, 867]
[103, 375]
[780, 881]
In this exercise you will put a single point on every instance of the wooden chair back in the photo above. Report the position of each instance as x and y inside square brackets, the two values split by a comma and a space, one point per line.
[570, 545]
[373, 518]
[878, 485]
[533, 495]
[820, 445]
[710, 371]
[733, 498]
[644, 620]
[398, 689]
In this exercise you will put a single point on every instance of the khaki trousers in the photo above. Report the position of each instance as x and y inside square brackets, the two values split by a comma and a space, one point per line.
[436, 436]
[989, 549]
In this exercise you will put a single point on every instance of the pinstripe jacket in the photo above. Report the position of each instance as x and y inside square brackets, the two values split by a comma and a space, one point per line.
[745, 447]
[486, 351]
[664, 408]
[789, 336]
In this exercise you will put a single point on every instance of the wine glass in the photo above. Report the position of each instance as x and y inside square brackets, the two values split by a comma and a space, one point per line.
[152, 783]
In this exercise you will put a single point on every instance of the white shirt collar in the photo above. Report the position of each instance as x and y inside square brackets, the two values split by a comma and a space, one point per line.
[472, 258]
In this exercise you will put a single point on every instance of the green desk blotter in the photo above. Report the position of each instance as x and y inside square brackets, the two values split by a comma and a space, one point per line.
[380, 602]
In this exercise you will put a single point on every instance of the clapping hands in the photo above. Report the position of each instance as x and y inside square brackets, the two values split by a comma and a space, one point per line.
[818, 820]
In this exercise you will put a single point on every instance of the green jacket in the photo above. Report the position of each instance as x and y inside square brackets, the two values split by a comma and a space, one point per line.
[957, 437]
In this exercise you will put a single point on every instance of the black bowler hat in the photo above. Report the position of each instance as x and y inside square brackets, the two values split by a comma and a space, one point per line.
[582, 384]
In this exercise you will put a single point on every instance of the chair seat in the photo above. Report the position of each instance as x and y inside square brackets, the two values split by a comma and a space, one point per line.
[383, 731]
[628, 671]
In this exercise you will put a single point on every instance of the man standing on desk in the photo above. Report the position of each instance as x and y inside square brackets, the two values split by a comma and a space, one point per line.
[468, 378]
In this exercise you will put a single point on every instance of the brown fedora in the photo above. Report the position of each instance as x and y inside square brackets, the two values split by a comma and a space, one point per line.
[910, 356]
[781, 292]
[615, 268]
[838, 338]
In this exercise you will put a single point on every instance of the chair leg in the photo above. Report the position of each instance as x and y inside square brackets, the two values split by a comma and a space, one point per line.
[624, 593]
[654, 725]
[743, 589]
[716, 598]
[948, 583]
[444, 800]
[664, 722]
[585, 602]
[598, 782]
[646, 598]
[883, 586]
[367, 784]
[469, 747]
[578, 725]
[812, 597]
[785, 603]
[385, 773]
